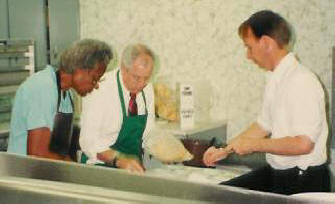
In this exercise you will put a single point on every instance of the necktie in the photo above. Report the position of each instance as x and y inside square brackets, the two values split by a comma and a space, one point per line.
[132, 108]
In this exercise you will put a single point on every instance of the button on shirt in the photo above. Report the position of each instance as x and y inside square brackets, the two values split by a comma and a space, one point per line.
[294, 104]
[101, 117]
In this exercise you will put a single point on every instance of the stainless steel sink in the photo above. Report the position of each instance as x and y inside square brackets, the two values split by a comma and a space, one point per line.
[131, 185]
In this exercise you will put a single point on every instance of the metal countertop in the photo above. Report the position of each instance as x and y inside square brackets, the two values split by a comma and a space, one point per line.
[132, 186]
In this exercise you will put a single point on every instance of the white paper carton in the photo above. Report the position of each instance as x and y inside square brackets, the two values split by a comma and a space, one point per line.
[186, 106]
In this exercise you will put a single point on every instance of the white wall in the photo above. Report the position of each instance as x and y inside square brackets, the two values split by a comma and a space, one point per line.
[197, 40]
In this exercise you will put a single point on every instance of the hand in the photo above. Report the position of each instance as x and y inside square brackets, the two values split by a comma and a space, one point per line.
[68, 158]
[107, 155]
[212, 155]
[130, 164]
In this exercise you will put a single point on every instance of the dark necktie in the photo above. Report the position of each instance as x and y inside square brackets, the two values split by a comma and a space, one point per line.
[132, 108]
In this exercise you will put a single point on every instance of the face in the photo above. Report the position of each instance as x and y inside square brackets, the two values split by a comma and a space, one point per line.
[255, 49]
[84, 81]
[137, 77]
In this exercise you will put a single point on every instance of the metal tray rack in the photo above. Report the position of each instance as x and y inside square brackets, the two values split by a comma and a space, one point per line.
[17, 62]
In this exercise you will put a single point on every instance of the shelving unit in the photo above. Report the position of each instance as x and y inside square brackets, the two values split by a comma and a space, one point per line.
[17, 62]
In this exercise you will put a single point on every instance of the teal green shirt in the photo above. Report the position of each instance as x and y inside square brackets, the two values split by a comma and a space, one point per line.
[35, 107]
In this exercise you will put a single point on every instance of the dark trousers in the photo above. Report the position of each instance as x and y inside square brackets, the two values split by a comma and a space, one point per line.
[289, 181]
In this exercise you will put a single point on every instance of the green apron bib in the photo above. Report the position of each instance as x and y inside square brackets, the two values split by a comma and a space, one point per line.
[129, 140]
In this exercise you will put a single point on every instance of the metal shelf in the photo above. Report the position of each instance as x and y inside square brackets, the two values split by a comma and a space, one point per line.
[13, 78]
[16, 50]
[17, 62]
[6, 90]
[16, 42]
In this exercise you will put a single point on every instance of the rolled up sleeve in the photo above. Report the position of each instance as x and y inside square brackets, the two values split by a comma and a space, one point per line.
[97, 129]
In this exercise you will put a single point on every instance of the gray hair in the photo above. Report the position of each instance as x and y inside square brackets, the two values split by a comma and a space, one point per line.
[131, 52]
[85, 54]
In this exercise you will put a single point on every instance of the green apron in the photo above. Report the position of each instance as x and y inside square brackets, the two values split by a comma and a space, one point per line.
[129, 140]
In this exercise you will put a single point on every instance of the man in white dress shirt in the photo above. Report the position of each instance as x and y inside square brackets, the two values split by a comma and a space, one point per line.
[117, 117]
[291, 128]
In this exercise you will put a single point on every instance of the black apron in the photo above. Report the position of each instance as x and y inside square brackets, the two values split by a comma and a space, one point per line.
[61, 135]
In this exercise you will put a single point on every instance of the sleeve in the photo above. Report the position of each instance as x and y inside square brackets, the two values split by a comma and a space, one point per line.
[305, 106]
[91, 121]
[40, 107]
[151, 114]
[264, 118]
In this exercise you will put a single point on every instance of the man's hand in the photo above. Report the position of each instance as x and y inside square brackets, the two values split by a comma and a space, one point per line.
[107, 155]
[212, 155]
[68, 158]
[130, 164]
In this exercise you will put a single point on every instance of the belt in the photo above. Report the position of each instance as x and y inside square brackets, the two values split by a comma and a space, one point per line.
[297, 171]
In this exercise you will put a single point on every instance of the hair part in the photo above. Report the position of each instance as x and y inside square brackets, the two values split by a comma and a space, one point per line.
[267, 23]
[131, 52]
[85, 54]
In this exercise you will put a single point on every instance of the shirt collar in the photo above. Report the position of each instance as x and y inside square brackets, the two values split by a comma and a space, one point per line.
[283, 67]
[52, 72]
[126, 93]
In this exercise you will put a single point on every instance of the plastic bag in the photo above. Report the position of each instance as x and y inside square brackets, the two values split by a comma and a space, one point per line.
[165, 102]
[166, 147]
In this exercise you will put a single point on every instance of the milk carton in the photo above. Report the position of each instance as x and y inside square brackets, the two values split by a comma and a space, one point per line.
[186, 106]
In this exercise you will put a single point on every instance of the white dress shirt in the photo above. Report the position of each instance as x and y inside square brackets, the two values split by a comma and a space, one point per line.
[294, 104]
[101, 117]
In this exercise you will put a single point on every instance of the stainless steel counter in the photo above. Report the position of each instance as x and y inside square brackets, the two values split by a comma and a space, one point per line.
[117, 184]
[42, 191]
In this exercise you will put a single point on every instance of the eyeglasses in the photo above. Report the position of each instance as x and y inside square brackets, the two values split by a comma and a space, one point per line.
[138, 78]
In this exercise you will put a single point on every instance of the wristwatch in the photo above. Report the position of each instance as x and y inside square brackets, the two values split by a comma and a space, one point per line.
[114, 162]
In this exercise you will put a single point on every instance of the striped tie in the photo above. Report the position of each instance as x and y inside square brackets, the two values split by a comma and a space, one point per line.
[132, 108]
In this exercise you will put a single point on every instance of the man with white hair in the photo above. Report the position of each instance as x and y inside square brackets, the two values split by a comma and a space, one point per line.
[116, 118]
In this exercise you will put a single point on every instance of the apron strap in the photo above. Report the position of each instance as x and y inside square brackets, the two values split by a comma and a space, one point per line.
[121, 94]
[59, 92]
[145, 103]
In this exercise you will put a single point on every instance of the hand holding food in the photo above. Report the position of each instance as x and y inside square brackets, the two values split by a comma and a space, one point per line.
[213, 154]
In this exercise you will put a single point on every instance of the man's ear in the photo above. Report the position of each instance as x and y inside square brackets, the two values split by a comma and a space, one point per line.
[269, 43]
[266, 43]
[66, 79]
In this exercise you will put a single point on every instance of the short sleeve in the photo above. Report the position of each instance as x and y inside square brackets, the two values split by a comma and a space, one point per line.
[264, 117]
[39, 107]
[305, 103]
